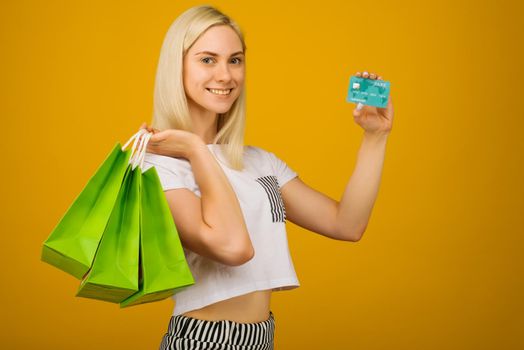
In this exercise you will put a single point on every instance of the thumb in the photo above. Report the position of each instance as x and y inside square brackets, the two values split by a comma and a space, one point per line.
[157, 136]
[358, 111]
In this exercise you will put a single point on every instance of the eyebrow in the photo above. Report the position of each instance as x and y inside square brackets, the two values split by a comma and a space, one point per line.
[215, 54]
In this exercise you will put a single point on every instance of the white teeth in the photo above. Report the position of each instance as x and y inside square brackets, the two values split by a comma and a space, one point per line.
[220, 92]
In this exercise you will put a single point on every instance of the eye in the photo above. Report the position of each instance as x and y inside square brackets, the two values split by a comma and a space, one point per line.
[205, 58]
[239, 60]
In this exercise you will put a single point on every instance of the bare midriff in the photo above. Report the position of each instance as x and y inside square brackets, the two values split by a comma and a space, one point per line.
[253, 307]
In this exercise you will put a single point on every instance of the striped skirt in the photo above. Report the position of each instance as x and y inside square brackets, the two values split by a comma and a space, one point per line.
[190, 333]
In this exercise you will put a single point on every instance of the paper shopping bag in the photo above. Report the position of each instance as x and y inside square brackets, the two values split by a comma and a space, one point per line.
[163, 266]
[72, 245]
[114, 274]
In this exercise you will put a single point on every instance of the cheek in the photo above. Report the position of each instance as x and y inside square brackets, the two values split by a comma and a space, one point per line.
[239, 77]
[194, 78]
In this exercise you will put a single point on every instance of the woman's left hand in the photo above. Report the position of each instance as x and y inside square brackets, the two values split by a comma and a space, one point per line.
[374, 120]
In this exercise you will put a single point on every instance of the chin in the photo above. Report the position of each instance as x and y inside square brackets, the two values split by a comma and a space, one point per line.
[223, 110]
[220, 109]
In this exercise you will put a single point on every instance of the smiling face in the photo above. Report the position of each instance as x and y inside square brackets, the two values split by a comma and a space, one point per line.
[214, 71]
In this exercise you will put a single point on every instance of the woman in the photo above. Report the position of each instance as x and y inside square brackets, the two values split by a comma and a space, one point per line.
[230, 201]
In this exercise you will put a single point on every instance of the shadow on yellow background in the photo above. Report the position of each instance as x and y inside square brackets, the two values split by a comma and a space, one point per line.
[440, 264]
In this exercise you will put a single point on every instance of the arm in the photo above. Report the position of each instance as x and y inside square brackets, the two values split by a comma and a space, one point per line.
[345, 220]
[362, 190]
[212, 225]
[348, 219]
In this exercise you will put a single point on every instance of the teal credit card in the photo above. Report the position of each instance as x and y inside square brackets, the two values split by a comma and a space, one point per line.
[369, 92]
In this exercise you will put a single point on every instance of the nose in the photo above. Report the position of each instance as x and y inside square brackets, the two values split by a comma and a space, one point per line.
[222, 73]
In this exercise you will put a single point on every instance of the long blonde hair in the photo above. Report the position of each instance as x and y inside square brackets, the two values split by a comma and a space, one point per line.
[170, 110]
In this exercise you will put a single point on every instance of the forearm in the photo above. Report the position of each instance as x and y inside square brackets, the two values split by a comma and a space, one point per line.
[220, 207]
[361, 191]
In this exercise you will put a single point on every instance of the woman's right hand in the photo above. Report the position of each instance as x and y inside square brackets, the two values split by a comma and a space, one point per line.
[172, 142]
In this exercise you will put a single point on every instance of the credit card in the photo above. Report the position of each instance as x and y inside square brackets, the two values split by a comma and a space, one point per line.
[370, 92]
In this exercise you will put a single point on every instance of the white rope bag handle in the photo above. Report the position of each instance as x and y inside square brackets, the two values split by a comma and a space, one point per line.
[138, 155]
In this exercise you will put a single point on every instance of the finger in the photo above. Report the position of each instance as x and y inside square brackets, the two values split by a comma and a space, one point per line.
[380, 78]
[358, 74]
[359, 106]
[372, 76]
[358, 112]
[150, 148]
[365, 74]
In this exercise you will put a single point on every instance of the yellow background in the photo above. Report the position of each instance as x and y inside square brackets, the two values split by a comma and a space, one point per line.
[440, 265]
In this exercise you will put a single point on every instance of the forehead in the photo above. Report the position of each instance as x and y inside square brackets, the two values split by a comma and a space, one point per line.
[221, 39]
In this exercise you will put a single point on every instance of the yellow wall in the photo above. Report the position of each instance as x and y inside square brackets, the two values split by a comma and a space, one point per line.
[440, 265]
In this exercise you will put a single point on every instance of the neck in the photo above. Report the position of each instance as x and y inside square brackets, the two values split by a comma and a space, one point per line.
[204, 123]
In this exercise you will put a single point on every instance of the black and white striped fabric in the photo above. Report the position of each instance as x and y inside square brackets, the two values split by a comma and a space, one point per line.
[270, 185]
[190, 333]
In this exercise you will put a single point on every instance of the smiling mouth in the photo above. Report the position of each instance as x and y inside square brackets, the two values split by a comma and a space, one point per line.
[220, 91]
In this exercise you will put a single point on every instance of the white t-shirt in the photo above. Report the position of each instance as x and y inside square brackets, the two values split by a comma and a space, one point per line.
[258, 191]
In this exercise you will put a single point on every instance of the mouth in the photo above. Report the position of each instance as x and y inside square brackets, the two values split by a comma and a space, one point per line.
[220, 92]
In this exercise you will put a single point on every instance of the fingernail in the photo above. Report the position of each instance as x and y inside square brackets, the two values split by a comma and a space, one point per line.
[360, 106]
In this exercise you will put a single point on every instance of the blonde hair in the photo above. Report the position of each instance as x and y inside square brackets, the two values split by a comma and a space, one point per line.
[170, 110]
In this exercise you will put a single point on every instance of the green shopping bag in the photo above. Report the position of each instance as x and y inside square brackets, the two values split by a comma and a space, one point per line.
[163, 266]
[72, 245]
[114, 274]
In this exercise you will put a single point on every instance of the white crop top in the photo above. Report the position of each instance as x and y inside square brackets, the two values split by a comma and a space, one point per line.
[258, 191]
